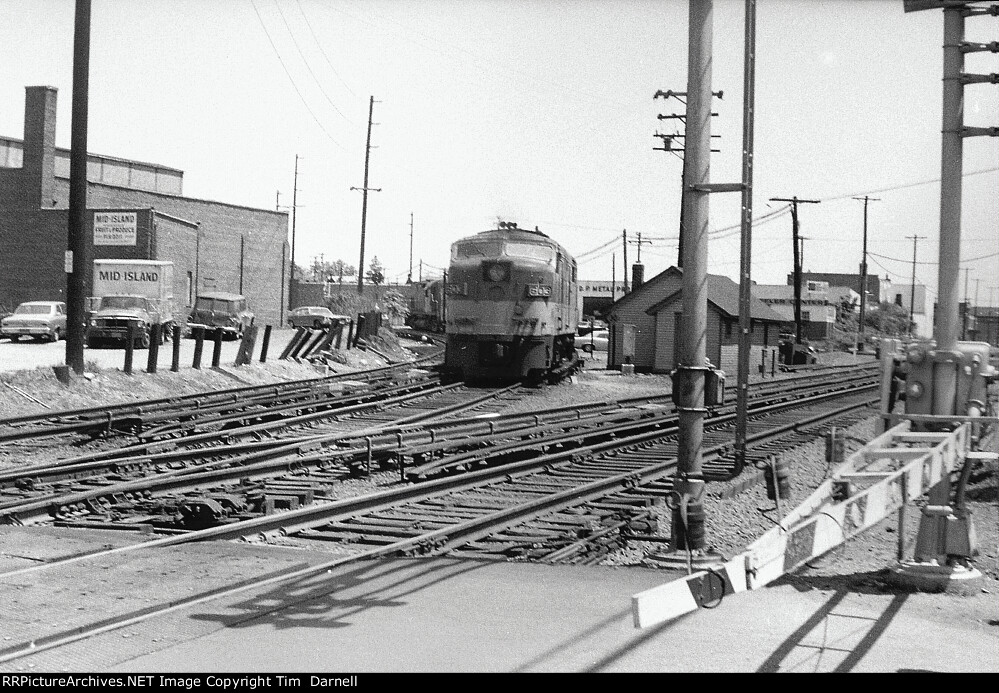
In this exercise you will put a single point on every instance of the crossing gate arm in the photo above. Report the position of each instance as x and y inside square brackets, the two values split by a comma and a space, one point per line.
[891, 469]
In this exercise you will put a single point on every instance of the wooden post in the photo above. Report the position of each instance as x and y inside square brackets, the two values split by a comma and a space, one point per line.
[267, 342]
[129, 349]
[175, 365]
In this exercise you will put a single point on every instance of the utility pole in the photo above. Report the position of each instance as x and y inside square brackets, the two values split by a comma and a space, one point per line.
[409, 277]
[688, 521]
[294, 216]
[912, 286]
[613, 277]
[639, 243]
[797, 260]
[364, 202]
[638, 269]
[745, 254]
[624, 240]
[863, 276]
[978, 336]
[964, 315]
[77, 252]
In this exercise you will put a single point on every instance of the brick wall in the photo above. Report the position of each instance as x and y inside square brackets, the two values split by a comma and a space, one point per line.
[33, 258]
[238, 246]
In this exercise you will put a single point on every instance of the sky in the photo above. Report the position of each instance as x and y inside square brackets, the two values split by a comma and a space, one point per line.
[540, 112]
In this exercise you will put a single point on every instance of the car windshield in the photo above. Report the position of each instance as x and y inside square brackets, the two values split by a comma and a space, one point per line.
[217, 304]
[123, 302]
[27, 309]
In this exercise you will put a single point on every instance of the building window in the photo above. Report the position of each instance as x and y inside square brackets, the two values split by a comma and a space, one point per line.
[190, 288]
[728, 329]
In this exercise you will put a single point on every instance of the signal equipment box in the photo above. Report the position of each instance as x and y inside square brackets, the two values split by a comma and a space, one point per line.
[947, 382]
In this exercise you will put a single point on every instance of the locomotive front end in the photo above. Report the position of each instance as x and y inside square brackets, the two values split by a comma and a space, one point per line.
[507, 305]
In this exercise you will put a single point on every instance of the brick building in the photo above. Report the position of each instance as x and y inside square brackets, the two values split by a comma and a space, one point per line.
[653, 311]
[135, 210]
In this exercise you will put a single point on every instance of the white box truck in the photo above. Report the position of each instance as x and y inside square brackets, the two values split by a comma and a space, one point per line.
[130, 295]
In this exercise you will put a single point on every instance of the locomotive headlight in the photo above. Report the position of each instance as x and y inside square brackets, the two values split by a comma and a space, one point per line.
[914, 390]
[496, 273]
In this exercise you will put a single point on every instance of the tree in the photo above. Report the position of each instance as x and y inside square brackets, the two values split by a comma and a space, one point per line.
[395, 304]
[321, 270]
[375, 274]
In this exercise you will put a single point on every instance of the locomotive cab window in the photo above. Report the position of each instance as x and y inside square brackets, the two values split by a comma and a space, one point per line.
[476, 249]
[529, 251]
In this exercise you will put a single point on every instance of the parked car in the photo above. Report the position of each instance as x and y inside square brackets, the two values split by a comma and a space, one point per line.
[220, 311]
[313, 316]
[595, 341]
[43, 320]
[585, 327]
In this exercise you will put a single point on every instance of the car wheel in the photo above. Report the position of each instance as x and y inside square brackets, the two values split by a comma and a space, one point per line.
[15, 337]
[587, 348]
[143, 341]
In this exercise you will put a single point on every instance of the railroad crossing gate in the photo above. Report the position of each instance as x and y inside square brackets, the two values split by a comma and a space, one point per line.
[880, 478]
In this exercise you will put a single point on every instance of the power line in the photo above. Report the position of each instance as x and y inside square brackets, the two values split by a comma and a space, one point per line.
[306, 62]
[906, 185]
[320, 46]
[290, 78]
[928, 262]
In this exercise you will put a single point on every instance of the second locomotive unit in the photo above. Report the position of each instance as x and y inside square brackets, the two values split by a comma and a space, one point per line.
[511, 307]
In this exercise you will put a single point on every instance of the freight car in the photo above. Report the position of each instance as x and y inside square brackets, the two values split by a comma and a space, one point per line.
[426, 306]
[511, 308]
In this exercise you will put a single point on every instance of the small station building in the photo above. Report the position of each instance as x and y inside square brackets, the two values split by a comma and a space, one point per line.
[645, 325]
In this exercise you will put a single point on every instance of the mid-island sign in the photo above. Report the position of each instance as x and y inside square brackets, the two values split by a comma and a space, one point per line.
[114, 228]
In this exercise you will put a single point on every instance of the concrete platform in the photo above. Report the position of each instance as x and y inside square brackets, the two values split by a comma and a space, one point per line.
[451, 615]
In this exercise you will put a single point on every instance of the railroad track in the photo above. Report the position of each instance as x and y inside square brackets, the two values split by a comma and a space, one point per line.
[174, 415]
[561, 506]
[185, 488]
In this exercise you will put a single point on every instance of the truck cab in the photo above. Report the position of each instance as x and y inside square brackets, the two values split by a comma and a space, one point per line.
[114, 316]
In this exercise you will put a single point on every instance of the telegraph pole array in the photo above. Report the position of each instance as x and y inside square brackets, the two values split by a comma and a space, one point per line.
[863, 276]
[797, 260]
[677, 149]
[364, 202]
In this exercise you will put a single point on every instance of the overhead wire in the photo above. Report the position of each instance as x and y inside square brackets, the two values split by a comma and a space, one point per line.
[292, 79]
[320, 46]
[308, 67]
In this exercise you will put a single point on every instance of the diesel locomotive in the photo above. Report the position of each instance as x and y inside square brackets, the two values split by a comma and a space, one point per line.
[511, 308]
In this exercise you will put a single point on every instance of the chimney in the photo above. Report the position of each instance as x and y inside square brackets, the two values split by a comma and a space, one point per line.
[637, 275]
[38, 166]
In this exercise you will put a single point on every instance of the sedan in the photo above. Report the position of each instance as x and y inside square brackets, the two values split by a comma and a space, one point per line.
[595, 341]
[43, 320]
[312, 316]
